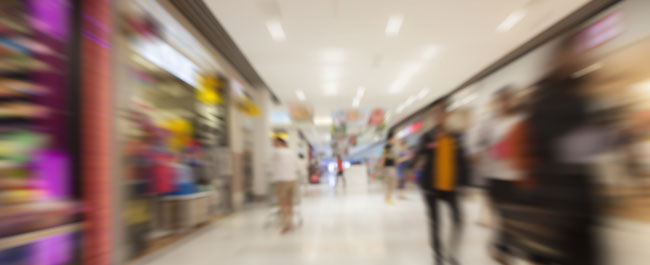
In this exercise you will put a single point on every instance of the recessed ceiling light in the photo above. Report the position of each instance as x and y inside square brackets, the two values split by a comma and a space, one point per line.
[331, 73]
[323, 120]
[301, 95]
[404, 77]
[512, 20]
[400, 109]
[276, 30]
[360, 91]
[330, 89]
[423, 93]
[410, 100]
[430, 52]
[394, 24]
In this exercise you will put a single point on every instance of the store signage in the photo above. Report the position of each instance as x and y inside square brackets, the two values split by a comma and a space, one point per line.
[413, 128]
[600, 32]
[166, 57]
[244, 102]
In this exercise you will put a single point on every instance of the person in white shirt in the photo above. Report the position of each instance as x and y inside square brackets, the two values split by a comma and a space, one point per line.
[286, 171]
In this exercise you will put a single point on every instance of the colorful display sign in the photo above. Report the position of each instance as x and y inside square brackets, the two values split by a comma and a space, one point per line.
[350, 124]
[411, 129]
[301, 113]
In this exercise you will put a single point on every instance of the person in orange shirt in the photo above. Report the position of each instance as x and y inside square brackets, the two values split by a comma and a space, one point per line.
[339, 171]
[444, 170]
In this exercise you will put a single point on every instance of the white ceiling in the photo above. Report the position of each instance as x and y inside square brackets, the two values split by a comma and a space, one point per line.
[344, 42]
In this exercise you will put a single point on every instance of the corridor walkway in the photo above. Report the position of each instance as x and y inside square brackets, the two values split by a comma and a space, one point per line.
[353, 227]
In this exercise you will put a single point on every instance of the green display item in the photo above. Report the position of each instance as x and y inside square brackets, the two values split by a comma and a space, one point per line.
[20, 146]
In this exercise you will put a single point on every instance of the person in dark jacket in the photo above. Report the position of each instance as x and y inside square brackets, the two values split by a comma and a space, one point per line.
[561, 211]
[444, 171]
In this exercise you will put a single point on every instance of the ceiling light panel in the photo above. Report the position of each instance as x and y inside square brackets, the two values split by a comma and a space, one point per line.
[361, 91]
[323, 120]
[301, 95]
[331, 73]
[423, 93]
[512, 20]
[394, 25]
[276, 30]
[400, 109]
[410, 100]
[330, 89]
[404, 77]
[430, 52]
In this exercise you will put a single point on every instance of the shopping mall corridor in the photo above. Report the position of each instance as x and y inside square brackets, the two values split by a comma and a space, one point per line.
[356, 227]
[352, 227]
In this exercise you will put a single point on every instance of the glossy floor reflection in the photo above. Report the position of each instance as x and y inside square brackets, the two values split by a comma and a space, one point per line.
[356, 227]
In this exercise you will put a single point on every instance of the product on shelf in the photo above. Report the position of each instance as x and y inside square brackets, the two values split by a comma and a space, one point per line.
[35, 177]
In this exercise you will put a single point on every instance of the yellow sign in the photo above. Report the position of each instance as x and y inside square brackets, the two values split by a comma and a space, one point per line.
[208, 90]
[249, 108]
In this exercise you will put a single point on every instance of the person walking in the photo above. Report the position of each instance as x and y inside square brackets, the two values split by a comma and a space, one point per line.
[444, 170]
[504, 164]
[388, 162]
[285, 176]
[563, 177]
[340, 174]
[403, 160]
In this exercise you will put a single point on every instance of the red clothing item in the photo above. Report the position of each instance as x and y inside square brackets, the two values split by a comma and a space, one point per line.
[340, 163]
[162, 177]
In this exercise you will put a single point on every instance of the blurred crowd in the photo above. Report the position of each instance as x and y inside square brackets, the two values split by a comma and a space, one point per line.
[554, 159]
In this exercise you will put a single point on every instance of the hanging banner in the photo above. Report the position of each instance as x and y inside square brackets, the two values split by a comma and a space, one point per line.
[350, 124]
[301, 113]
[377, 117]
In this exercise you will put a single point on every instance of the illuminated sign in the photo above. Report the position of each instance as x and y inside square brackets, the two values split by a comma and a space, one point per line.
[600, 32]
[166, 57]
[414, 127]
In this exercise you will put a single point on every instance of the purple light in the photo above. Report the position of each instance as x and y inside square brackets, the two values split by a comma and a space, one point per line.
[53, 250]
[51, 17]
[96, 22]
[52, 169]
[97, 40]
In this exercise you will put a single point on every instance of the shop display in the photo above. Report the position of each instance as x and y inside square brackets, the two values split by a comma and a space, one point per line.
[173, 127]
[36, 162]
[211, 111]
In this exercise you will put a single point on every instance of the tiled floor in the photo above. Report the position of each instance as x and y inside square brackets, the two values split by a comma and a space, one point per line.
[356, 227]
